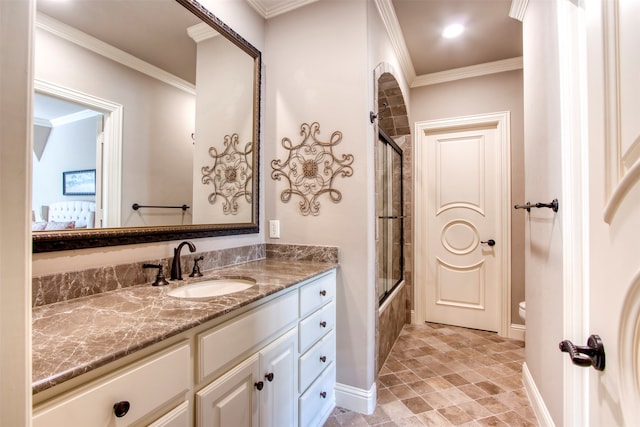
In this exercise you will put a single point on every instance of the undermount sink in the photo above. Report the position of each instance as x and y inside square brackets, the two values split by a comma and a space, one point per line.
[212, 288]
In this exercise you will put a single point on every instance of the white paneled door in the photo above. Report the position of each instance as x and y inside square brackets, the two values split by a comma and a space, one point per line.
[464, 237]
[614, 214]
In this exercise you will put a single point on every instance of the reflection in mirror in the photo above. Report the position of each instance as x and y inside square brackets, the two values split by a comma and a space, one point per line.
[151, 108]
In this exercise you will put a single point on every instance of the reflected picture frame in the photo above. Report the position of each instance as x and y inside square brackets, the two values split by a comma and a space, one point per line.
[79, 183]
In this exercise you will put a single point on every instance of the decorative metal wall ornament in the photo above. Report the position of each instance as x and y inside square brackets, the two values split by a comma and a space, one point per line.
[230, 174]
[311, 168]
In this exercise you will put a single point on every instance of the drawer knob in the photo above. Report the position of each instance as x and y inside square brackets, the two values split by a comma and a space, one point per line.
[323, 293]
[323, 359]
[259, 385]
[323, 324]
[120, 409]
[269, 376]
[323, 394]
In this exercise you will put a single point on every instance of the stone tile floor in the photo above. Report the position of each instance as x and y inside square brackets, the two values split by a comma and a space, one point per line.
[439, 375]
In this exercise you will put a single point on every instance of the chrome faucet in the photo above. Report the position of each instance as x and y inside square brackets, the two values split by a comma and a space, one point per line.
[176, 267]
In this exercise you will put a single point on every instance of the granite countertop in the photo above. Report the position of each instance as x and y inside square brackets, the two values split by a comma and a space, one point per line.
[73, 337]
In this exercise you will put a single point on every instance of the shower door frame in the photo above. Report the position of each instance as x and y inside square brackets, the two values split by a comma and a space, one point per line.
[387, 140]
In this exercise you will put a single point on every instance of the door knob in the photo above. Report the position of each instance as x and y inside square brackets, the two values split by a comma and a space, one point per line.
[590, 355]
[489, 242]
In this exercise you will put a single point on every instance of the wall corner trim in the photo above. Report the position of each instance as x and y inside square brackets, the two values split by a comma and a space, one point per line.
[390, 21]
[356, 399]
[537, 403]
[478, 70]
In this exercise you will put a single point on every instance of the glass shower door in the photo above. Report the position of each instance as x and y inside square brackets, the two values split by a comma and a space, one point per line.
[390, 216]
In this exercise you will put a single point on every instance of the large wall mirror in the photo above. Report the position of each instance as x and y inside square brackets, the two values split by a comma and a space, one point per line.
[146, 124]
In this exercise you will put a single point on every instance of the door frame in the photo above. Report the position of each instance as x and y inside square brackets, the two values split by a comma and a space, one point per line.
[501, 121]
[111, 168]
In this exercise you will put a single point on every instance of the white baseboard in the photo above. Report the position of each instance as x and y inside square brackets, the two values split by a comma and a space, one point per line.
[517, 332]
[537, 404]
[356, 399]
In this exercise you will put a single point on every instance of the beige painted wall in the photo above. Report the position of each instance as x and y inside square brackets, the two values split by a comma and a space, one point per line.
[310, 80]
[479, 95]
[543, 182]
[224, 100]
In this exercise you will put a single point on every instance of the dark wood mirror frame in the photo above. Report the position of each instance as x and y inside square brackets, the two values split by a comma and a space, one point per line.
[93, 238]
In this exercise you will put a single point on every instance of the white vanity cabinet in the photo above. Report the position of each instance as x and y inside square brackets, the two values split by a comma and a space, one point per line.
[278, 368]
[261, 389]
[288, 382]
[317, 346]
[270, 365]
[257, 392]
[135, 394]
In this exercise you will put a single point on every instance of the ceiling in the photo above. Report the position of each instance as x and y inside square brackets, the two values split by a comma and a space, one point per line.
[414, 27]
[490, 34]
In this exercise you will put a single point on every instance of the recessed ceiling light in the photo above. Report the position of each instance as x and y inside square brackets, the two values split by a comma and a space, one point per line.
[453, 30]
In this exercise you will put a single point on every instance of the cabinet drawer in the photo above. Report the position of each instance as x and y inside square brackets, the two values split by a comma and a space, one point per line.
[316, 325]
[317, 293]
[314, 361]
[234, 338]
[153, 382]
[318, 400]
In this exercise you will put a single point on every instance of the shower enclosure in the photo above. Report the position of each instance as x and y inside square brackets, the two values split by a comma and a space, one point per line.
[390, 216]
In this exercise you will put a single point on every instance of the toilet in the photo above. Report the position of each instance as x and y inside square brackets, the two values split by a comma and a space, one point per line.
[522, 309]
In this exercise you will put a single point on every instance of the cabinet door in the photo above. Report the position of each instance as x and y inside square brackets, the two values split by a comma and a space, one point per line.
[278, 372]
[180, 416]
[232, 400]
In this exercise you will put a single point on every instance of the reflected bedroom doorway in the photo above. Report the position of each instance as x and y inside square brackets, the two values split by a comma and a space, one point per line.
[76, 136]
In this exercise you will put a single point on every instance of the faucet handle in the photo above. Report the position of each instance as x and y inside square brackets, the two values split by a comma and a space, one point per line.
[196, 268]
[160, 279]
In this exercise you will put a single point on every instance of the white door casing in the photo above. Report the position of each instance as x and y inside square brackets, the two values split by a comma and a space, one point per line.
[458, 235]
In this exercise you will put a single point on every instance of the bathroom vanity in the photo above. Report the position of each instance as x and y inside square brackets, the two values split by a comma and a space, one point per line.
[264, 356]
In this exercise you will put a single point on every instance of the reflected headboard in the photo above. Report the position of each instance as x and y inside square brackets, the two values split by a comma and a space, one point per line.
[82, 213]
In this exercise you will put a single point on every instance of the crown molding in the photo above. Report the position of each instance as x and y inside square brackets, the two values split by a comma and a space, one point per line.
[270, 8]
[390, 21]
[91, 43]
[39, 121]
[468, 72]
[518, 8]
[74, 117]
[201, 32]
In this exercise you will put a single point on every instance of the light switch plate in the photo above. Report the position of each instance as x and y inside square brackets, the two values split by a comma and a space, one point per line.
[274, 228]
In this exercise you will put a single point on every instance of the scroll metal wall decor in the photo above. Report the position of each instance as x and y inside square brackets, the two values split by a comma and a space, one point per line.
[230, 174]
[311, 168]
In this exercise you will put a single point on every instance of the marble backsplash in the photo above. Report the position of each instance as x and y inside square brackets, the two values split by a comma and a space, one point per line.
[52, 288]
[303, 252]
